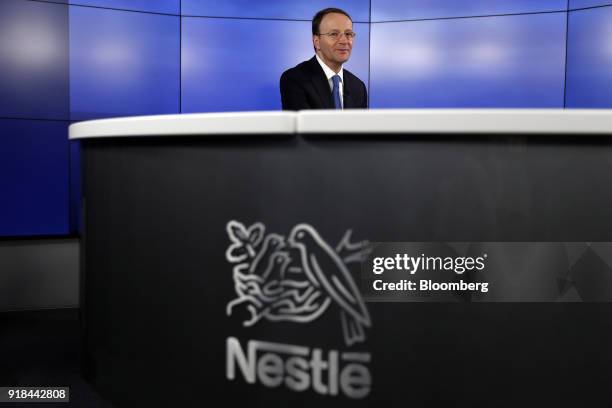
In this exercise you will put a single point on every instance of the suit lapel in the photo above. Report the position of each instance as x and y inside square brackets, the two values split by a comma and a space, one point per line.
[348, 99]
[319, 80]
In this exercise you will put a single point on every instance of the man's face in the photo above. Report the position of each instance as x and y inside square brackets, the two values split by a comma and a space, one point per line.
[334, 52]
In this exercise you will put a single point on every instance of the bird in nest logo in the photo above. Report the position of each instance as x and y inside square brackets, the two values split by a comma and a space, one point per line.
[296, 278]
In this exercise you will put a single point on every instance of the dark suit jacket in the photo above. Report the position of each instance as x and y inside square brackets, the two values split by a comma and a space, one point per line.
[306, 87]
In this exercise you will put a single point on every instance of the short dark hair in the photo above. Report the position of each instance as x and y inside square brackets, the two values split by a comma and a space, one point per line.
[316, 20]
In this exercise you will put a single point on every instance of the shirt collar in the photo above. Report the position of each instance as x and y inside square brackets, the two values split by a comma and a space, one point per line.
[329, 73]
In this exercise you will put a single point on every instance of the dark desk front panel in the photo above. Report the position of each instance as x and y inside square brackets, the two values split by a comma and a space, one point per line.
[157, 281]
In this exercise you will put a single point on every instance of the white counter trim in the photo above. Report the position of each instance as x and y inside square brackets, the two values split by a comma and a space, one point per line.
[198, 124]
[531, 121]
[391, 121]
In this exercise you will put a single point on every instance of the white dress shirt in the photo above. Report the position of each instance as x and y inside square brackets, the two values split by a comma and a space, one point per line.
[329, 73]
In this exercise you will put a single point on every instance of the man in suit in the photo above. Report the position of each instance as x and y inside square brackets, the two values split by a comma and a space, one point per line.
[322, 82]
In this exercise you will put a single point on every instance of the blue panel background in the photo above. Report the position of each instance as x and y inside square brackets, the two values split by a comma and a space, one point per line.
[154, 6]
[123, 63]
[589, 64]
[33, 60]
[390, 10]
[33, 177]
[574, 4]
[510, 61]
[245, 75]
[359, 10]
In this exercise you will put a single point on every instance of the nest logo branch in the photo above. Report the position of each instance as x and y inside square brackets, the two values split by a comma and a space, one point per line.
[487, 272]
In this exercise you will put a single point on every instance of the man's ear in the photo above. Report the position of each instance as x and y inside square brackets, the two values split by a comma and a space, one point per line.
[315, 42]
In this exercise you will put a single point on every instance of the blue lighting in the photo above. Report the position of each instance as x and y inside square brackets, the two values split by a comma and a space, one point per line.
[508, 61]
[123, 63]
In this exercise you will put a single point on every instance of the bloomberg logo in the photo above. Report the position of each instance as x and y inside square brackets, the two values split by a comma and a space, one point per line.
[300, 368]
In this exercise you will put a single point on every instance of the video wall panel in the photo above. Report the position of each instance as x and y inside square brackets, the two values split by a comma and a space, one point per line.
[575, 4]
[505, 61]
[245, 76]
[123, 63]
[33, 177]
[33, 60]
[359, 10]
[589, 63]
[394, 10]
[152, 6]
